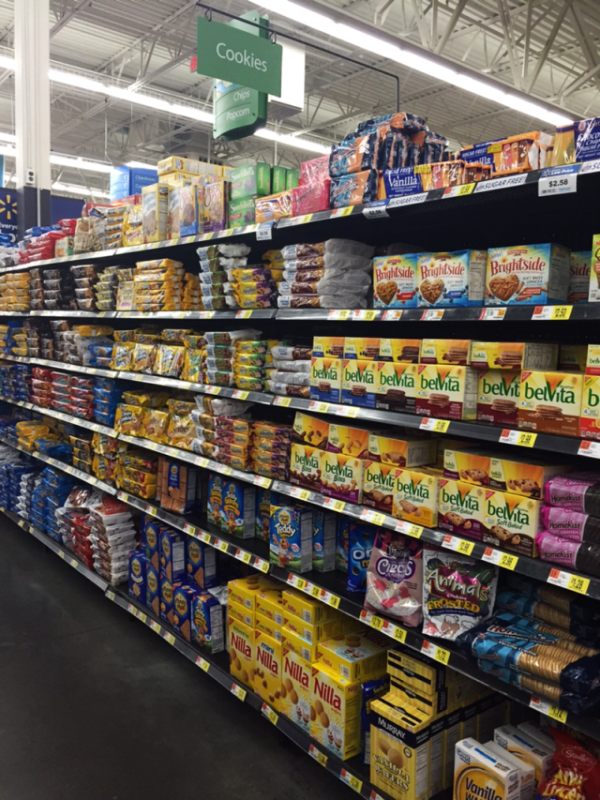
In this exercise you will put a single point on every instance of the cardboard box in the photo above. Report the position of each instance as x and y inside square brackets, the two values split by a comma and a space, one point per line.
[461, 508]
[155, 212]
[527, 772]
[138, 566]
[416, 497]
[359, 382]
[296, 644]
[395, 281]
[238, 509]
[328, 346]
[446, 351]
[478, 771]
[550, 402]
[306, 466]
[579, 276]
[326, 379]
[533, 274]
[241, 212]
[216, 485]
[181, 618]
[354, 657]
[310, 430]
[166, 598]
[264, 624]
[172, 554]
[594, 292]
[251, 180]
[498, 396]
[511, 521]
[213, 208]
[404, 351]
[361, 348]
[572, 357]
[305, 607]
[589, 423]
[239, 613]
[520, 745]
[402, 451]
[396, 386]
[348, 440]
[208, 628]
[278, 180]
[324, 531]
[513, 355]
[451, 279]
[270, 605]
[296, 694]
[153, 590]
[446, 392]
[342, 477]
[150, 531]
[335, 723]
[189, 165]
[200, 563]
[267, 669]
[241, 640]
[379, 483]
[290, 538]
[313, 633]
[189, 212]
[245, 590]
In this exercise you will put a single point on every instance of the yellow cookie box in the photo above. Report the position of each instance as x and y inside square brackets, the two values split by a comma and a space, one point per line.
[239, 613]
[296, 692]
[306, 608]
[270, 604]
[311, 430]
[416, 496]
[335, 711]
[354, 657]
[402, 452]
[514, 355]
[264, 624]
[405, 351]
[310, 632]
[241, 640]
[245, 590]
[361, 348]
[328, 346]
[348, 440]
[298, 645]
[267, 669]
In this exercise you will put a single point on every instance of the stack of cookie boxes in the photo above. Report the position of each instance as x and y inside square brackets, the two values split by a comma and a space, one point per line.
[416, 724]
[303, 658]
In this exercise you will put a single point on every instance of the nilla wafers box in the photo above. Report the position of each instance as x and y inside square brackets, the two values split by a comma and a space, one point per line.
[241, 639]
[267, 669]
[335, 711]
[296, 689]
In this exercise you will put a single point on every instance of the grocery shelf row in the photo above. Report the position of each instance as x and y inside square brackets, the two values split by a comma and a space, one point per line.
[524, 565]
[483, 432]
[344, 221]
[353, 773]
[548, 313]
[330, 589]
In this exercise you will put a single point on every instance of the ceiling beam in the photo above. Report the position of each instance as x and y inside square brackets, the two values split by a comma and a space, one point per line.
[65, 18]
[549, 42]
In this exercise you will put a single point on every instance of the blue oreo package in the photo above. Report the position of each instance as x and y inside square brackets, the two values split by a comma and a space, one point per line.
[360, 544]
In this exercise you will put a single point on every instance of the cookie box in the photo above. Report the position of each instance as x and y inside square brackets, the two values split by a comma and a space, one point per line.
[416, 496]
[328, 346]
[342, 477]
[395, 281]
[498, 396]
[550, 402]
[589, 422]
[513, 355]
[405, 351]
[532, 274]
[358, 386]
[361, 348]
[208, 628]
[306, 466]
[241, 640]
[511, 521]
[402, 451]
[296, 696]
[335, 711]
[396, 386]
[579, 276]
[479, 772]
[446, 351]
[594, 289]
[290, 538]
[451, 279]
[379, 482]
[267, 669]
[461, 508]
[449, 392]
[326, 379]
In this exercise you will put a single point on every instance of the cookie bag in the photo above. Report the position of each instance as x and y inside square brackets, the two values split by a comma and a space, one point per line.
[458, 593]
[395, 578]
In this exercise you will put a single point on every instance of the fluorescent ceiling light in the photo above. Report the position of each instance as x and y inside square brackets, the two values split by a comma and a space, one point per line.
[7, 137]
[292, 141]
[364, 40]
[74, 188]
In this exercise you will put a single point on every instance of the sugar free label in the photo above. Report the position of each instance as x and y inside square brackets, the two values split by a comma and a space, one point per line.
[500, 183]
[407, 200]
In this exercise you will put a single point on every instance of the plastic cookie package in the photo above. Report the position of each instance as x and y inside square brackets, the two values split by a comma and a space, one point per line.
[574, 775]
[395, 577]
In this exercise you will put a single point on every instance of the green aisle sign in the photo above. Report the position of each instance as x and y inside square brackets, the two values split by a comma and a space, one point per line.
[238, 56]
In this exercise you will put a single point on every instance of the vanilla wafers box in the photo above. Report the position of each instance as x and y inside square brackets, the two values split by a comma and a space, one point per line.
[531, 274]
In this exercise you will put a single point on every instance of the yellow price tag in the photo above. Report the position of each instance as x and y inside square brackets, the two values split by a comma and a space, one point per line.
[416, 531]
[155, 627]
[244, 314]
[142, 617]
[559, 714]
[508, 561]
[336, 505]
[377, 623]
[561, 312]
[441, 425]
[237, 690]
[351, 780]
[240, 394]
[577, 583]
[74, 563]
[300, 583]
[316, 405]
[347, 411]
[527, 439]
[301, 494]
[399, 634]
[268, 712]
[221, 545]
[318, 756]
[369, 314]
[340, 313]
[374, 516]
[170, 638]
[442, 655]
[342, 212]
[245, 556]
[202, 663]
[110, 595]
[282, 401]
[465, 547]
[315, 590]
[466, 188]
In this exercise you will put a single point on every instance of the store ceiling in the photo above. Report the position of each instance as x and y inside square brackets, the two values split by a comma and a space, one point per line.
[149, 43]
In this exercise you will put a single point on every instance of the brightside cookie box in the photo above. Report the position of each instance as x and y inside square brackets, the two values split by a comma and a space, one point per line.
[594, 291]
[395, 281]
[451, 279]
[532, 274]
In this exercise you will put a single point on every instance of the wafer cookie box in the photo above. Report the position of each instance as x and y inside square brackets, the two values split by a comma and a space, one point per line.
[527, 773]
[461, 508]
[326, 379]
[498, 396]
[241, 651]
[403, 754]
[550, 402]
[296, 690]
[267, 680]
[451, 279]
[527, 749]
[532, 274]
[395, 386]
[446, 392]
[335, 711]
[479, 773]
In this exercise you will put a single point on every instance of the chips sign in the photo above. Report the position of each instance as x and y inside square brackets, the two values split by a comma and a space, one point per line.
[238, 56]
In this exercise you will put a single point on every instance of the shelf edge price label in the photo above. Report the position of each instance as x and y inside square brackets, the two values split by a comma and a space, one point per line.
[558, 180]
[341, 313]
[111, 595]
[416, 531]
[500, 559]
[365, 314]
[392, 314]
[169, 637]
[154, 626]
[221, 545]
[544, 707]
[317, 405]
[282, 401]
[347, 411]
[264, 231]
[589, 449]
[260, 564]
[519, 438]
[568, 580]
[375, 517]
[394, 631]
[243, 555]
[336, 505]
[492, 314]
[301, 494]
[318, 756]
[351, 780]
[142, 617]
[269, 713]
[375, 211]
[436, 652]
[432, 315]
[551, 312]
[202, 663]
[329, 599]
[459, 545]
[238, 692]
[432, 424]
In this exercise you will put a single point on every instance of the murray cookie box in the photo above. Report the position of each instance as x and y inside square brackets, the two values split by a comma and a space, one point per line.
[451, 279]
[533, 274]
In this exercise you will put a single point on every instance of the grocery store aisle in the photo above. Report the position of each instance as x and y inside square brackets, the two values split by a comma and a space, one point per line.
[94, 705]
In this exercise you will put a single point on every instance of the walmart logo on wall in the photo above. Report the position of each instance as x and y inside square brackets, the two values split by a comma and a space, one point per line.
[8, 213]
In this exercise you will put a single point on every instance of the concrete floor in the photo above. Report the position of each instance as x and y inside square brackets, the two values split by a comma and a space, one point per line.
[93, 705]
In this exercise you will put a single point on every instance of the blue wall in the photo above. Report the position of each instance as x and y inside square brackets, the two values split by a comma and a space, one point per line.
[64, 208]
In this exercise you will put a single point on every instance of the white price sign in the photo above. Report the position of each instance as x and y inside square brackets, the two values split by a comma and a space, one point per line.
[264, 231]
[558, 183]
[407, 200]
